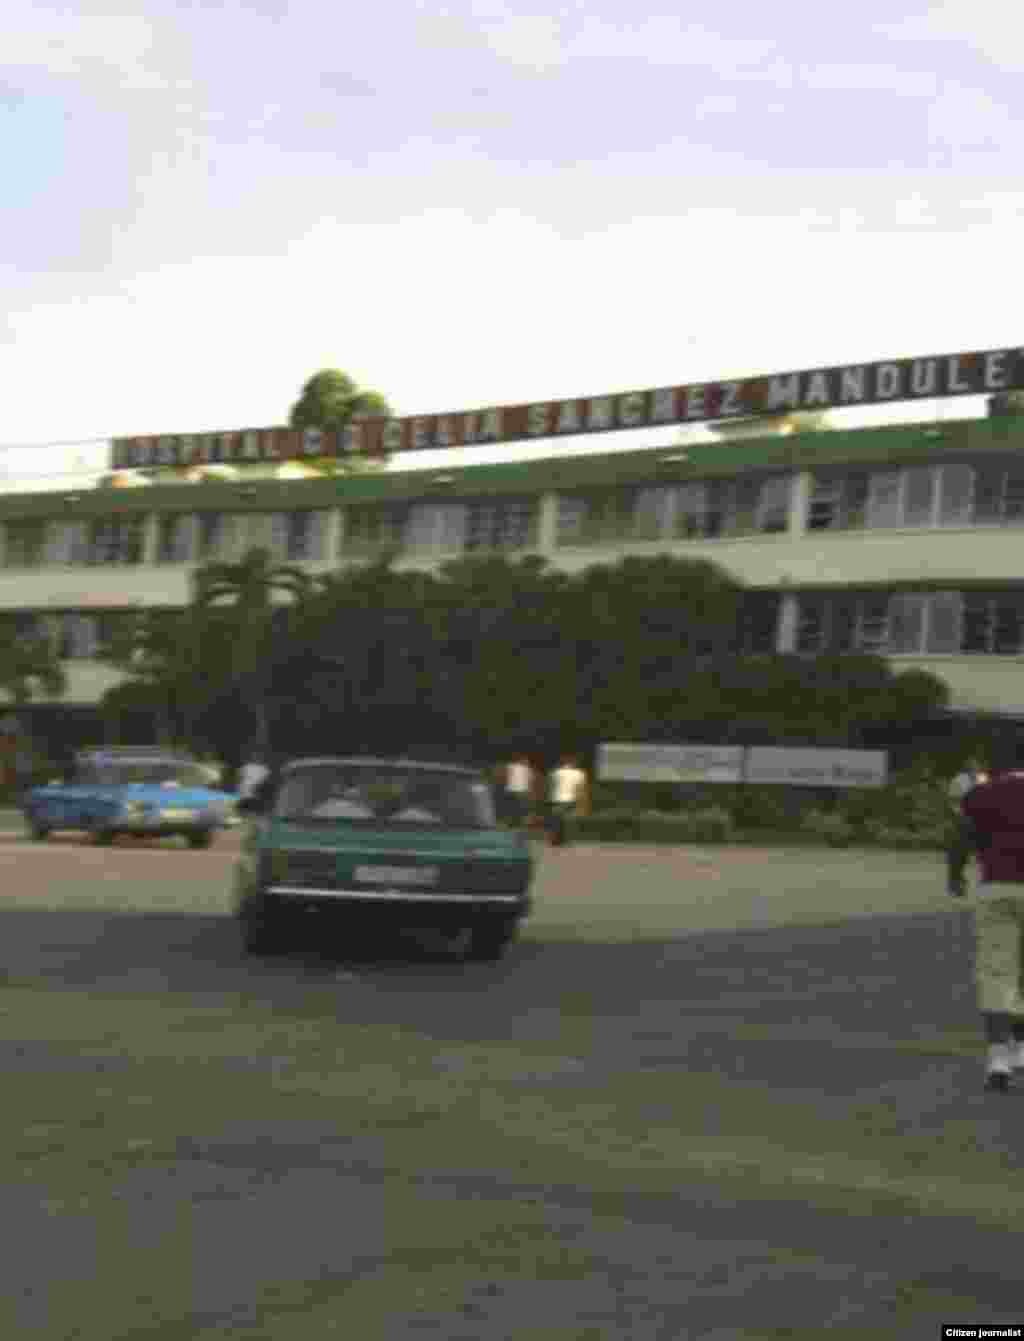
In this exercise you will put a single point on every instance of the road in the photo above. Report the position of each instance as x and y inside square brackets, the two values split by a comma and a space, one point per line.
[150, 924]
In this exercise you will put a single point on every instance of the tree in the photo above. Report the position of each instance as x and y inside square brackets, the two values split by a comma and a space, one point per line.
[29, 667]
[330, 399]
[248, 589]
[176, 662]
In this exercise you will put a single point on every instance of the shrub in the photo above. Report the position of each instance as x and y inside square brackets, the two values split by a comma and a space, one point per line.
[711, 825]
[708, 825]
[833, 828]
[900, 836]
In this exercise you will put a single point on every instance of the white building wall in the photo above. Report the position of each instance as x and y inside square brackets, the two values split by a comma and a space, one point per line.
[793, 560]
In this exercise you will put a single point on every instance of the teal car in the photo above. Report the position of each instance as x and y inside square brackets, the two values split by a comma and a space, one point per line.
[341, 846]
[144, 793]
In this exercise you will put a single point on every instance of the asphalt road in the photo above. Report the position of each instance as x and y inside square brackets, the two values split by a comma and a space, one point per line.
[130, 918]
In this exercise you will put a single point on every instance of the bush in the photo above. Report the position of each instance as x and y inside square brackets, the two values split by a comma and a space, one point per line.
[833, 828]
[708, 825]
[900, 836]
[914, 805]
[711, 825]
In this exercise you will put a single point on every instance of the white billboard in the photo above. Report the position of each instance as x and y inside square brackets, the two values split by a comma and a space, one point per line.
[670, 763]
[817, 768]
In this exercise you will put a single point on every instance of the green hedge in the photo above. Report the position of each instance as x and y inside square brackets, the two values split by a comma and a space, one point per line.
[912, 811]
[711, 825]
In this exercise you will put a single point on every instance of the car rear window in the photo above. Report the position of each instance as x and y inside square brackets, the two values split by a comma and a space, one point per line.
[385, 795]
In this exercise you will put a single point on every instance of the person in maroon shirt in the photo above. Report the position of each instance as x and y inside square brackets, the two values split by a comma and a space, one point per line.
[996, 809]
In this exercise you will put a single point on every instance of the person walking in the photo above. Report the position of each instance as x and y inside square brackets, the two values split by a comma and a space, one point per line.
[996, 810]
[567, 787]
[519, 784]
[251, 774]
[962, 842]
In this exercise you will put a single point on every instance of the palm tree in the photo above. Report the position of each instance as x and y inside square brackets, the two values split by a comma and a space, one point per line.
[29, 666]
[174, 659]
[248, 588]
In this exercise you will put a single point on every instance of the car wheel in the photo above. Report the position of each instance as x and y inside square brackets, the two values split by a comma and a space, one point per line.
[489, 940]
[101, 835]
[39, 832]
[199, 837]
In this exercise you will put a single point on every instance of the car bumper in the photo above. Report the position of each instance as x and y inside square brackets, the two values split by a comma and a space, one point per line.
[163, 824]
[398, 902]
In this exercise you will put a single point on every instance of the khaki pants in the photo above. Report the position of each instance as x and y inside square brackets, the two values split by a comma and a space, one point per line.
[999, 949]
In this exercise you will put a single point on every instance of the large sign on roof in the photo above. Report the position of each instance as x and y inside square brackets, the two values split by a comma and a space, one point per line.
[891, 380]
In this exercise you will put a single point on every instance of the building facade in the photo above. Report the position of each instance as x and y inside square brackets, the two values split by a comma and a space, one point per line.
[905, 541]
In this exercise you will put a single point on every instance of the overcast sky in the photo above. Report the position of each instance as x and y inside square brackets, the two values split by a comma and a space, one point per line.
[474, 204]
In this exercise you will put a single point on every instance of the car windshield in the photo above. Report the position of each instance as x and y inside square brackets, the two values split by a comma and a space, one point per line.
[385, 795]
[166, 773]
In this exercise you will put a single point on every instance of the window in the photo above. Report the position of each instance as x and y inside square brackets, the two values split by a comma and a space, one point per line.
[373, 527]
[176, 539]
[773, 504]
[383, 796]
[506, 523]
[650, 512]
[303, 534]
[116, 540]
[573, 515]
[906, 623]
[945, 622]
[940, 623]
[825, 510]
[872, 629]
[691, 509]
[25, 543]
[67, 542]
[956, 489]
[436, 526]
[919, 496]
[812, 623]
[609, 514]
[79, 636]
[885, 498]
[216, 535]
[993, 622]
[988, 492]
[1013, 494]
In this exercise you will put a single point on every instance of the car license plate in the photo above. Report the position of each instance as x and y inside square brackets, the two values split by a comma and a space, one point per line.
[177, 814]
[397, 875]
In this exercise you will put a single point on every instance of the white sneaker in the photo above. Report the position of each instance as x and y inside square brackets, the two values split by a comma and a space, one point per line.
[999, 1069]
[1001, 1058]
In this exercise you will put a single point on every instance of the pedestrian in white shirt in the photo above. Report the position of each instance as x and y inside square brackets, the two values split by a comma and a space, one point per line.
[566, 787]
[251, 774]
[519, 789]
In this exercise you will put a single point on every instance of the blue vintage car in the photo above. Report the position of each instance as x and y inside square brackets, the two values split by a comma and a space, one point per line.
[131, 791]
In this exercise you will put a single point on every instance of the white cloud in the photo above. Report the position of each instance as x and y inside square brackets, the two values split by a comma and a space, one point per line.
[868, 78]
[992, 28]
[962, 117]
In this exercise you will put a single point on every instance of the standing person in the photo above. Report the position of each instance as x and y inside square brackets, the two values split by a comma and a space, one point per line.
[997, 812]
[962, 839]
[519, 789]
[251, 774]
[566, 788]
